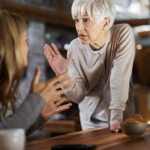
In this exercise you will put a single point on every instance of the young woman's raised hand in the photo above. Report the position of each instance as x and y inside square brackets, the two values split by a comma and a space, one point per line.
[58, 63]
[51, 108]
[49, 89]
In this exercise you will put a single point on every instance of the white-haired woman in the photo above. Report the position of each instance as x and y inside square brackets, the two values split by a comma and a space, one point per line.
[101, 65]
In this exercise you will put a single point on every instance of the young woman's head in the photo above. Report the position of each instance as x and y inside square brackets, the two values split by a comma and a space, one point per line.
[13, 56]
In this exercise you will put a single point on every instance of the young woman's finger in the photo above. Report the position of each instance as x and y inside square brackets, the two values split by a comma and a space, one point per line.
[67, 105]
[63, 83]
[57, 110]
[37, 75]
[66, 90]
[55, 99]
[58, 78]
[60, 109]
[60, 101]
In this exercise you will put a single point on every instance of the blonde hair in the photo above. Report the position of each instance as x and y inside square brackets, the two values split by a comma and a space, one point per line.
[97, 9]
[12, 28]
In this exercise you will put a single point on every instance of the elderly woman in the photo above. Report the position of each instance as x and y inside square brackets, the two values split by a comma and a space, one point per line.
[101, 65]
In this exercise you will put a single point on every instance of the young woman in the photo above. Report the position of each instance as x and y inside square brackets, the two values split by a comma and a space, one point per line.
[39, 105]
[100, 60]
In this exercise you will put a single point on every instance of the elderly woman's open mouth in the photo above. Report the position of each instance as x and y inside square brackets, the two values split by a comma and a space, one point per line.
[82, 36]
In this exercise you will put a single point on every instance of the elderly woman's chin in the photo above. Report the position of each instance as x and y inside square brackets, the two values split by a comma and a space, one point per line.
[84, 41]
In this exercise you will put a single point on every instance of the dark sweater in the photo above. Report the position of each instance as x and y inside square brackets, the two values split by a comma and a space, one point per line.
[27, 116]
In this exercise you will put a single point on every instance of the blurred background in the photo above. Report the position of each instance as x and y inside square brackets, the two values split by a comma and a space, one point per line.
[50, 21]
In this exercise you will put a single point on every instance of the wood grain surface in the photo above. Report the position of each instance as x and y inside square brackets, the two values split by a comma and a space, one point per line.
[61, 126]
[102, 137]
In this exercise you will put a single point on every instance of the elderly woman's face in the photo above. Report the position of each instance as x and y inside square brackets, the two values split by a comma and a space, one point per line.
[88, 30]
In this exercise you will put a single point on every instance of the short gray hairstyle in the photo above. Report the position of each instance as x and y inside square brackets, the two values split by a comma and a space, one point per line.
[97, 9]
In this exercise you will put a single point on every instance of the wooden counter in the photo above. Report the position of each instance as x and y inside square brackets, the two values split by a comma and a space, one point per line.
[103, 138]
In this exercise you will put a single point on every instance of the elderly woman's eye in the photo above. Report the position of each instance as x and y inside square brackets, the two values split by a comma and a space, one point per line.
[86, 20]
[76, 20]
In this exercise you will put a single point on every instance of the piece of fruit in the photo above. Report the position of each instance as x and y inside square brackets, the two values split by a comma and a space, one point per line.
[130, 121]
[137, 117]
[138, 122]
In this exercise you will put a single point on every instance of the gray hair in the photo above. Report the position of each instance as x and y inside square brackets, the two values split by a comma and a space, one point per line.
[97, 9]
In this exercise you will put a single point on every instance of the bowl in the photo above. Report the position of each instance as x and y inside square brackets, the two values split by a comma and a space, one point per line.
[133, 130]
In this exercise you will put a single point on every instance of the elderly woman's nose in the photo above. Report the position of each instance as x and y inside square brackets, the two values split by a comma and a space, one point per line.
[80, 26]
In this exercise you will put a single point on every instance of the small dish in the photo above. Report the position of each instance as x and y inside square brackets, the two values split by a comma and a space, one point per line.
[134, 130]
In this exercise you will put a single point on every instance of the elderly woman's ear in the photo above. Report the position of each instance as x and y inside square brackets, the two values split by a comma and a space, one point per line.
[106, 24]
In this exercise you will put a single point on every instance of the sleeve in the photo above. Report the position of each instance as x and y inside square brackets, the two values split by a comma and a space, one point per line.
[121, 74]
[26, 114]
[116, 116]
[78, 91]
[37, 124]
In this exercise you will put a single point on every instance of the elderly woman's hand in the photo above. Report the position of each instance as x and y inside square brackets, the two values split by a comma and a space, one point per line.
[58, 63]
[115, 127]
[52, 108]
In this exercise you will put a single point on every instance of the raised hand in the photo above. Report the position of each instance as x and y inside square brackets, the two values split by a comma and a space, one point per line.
[48, 90]
[52, 108]
[58, 63]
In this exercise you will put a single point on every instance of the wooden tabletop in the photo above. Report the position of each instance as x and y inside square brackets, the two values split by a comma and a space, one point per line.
[103, 138]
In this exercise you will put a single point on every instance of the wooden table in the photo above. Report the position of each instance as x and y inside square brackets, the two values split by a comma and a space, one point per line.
[103, 138]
